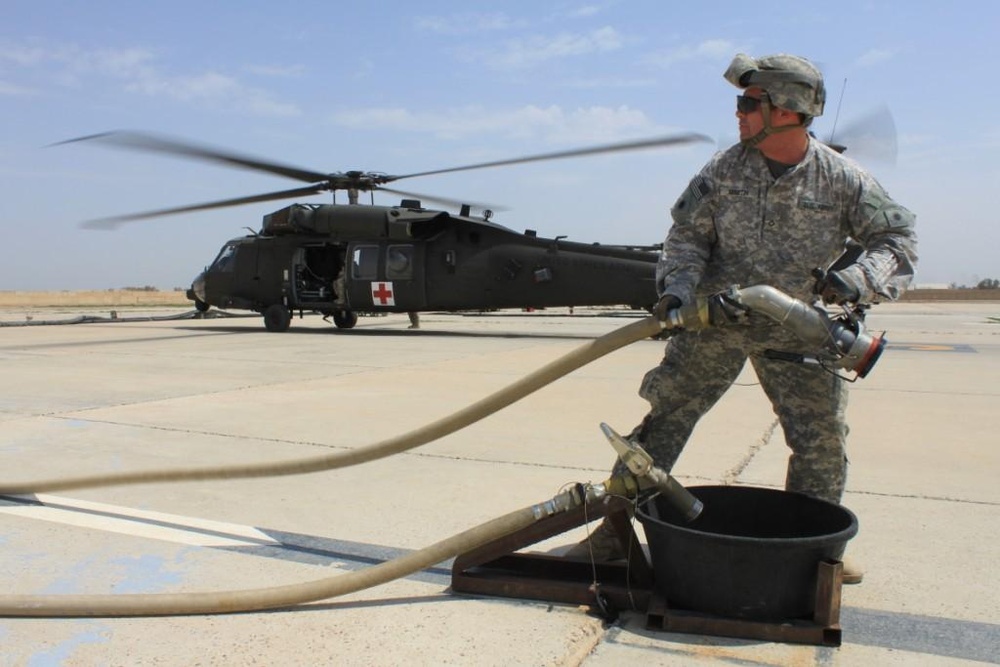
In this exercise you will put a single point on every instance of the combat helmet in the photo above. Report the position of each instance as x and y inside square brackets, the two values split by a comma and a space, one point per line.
[791, 82]
[788, 81]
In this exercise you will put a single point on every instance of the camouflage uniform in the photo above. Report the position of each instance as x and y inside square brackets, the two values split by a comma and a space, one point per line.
[736, 224]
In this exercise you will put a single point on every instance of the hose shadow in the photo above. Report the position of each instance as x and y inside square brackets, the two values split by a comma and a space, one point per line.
[368, 604]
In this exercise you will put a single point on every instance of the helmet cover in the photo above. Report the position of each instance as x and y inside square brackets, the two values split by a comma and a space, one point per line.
[791, 82]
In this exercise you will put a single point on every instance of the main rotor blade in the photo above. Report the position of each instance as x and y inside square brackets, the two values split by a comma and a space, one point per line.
[674, 140]
[113, 222]
[157, 144]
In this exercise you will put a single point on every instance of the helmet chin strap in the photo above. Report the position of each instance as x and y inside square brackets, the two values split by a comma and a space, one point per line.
[768, 129]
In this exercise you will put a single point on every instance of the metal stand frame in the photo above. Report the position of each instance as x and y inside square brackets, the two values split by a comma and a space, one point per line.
[497, 568]
[823, 629]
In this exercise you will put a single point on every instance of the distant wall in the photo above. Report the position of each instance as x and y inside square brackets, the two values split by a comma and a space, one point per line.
[952, 295]
[18, 299]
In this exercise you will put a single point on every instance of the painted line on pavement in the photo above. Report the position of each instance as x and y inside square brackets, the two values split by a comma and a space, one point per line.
[932, 347]
[135, 522]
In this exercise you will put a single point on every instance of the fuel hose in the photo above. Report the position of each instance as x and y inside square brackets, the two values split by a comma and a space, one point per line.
[276, 597]
[256, 599]
[581, 356]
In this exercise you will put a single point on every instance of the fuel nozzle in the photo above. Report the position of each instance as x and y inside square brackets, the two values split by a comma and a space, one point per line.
[640, 464]
[856, 347]
[840, 342]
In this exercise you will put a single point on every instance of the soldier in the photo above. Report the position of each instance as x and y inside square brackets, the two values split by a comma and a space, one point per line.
[768, 211]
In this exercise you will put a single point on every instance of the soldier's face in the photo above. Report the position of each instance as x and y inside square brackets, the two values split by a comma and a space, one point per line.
[752, 122]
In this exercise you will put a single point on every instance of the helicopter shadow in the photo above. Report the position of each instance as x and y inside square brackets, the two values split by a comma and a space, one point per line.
[394, 334]
[107, 341]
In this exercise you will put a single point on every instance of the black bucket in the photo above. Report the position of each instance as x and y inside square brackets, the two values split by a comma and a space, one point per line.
[753, 553]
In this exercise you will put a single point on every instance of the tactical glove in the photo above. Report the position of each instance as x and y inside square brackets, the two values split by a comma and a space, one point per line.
[836, 288]
[666, 303]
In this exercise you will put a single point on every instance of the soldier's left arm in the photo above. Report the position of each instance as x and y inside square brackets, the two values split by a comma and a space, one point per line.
[886, 231]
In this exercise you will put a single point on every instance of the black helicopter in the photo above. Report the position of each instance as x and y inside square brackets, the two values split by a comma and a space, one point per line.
[342, 259]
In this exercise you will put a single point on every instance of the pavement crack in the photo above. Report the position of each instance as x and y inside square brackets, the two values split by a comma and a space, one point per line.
[583, 639]
[733, 474]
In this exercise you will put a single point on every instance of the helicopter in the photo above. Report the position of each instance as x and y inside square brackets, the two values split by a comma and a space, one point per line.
[340, 260]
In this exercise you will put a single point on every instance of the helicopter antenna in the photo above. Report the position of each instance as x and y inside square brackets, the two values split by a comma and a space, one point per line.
[836, 116]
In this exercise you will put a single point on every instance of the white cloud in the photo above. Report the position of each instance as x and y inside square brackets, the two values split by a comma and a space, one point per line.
[70, 66]
[551, 124]
[279, 71]
[467, 23]
[13, 90]
[529, 51]
[610, 82]
[136, 68]
[585, 11]
[710, 50]
[120, 63]
[875, 56]
[214, 90]
[601, 123]
[21, 54]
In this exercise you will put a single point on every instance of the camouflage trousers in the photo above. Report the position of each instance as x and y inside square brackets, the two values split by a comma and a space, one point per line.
[698, 368]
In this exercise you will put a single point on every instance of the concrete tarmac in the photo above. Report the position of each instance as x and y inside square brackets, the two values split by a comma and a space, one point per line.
[136, 395]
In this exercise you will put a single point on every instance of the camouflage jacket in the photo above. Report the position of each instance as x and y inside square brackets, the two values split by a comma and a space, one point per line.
[736, 224]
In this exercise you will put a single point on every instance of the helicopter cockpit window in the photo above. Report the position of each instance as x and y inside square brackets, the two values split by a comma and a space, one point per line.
[364, 263]
[399, 262]
[224, 262]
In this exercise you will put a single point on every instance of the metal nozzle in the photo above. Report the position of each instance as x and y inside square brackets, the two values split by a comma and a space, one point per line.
[845, 340]
[635, 458]
[683, 500]
[640, 464]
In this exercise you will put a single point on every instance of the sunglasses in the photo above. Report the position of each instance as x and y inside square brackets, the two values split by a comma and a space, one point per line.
[746, 104]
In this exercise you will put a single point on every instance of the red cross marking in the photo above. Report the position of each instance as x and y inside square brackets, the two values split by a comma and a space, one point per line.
[383, 294]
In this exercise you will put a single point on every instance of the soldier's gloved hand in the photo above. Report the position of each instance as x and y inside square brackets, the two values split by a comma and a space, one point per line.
[666, 303]
[835, 287]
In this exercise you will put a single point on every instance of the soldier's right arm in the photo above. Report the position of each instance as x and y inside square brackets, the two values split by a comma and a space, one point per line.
[688, 245]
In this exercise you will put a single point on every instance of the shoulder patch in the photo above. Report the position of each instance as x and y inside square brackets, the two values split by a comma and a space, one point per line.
[897, 217]
[700, 187]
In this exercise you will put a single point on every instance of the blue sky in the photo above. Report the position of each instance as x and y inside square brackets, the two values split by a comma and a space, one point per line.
[406, 87]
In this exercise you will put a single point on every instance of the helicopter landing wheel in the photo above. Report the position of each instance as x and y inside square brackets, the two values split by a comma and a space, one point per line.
[345, 319]
[201, 306]
[277, 318]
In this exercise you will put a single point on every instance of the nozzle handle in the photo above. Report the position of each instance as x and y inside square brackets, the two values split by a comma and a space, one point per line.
[683, 500]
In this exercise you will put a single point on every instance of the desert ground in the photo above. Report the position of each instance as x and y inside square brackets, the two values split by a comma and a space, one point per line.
[112, 298]
[170, 392]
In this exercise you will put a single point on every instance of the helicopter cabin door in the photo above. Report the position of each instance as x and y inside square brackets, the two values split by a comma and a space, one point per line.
[317, 268]
[386, 276]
